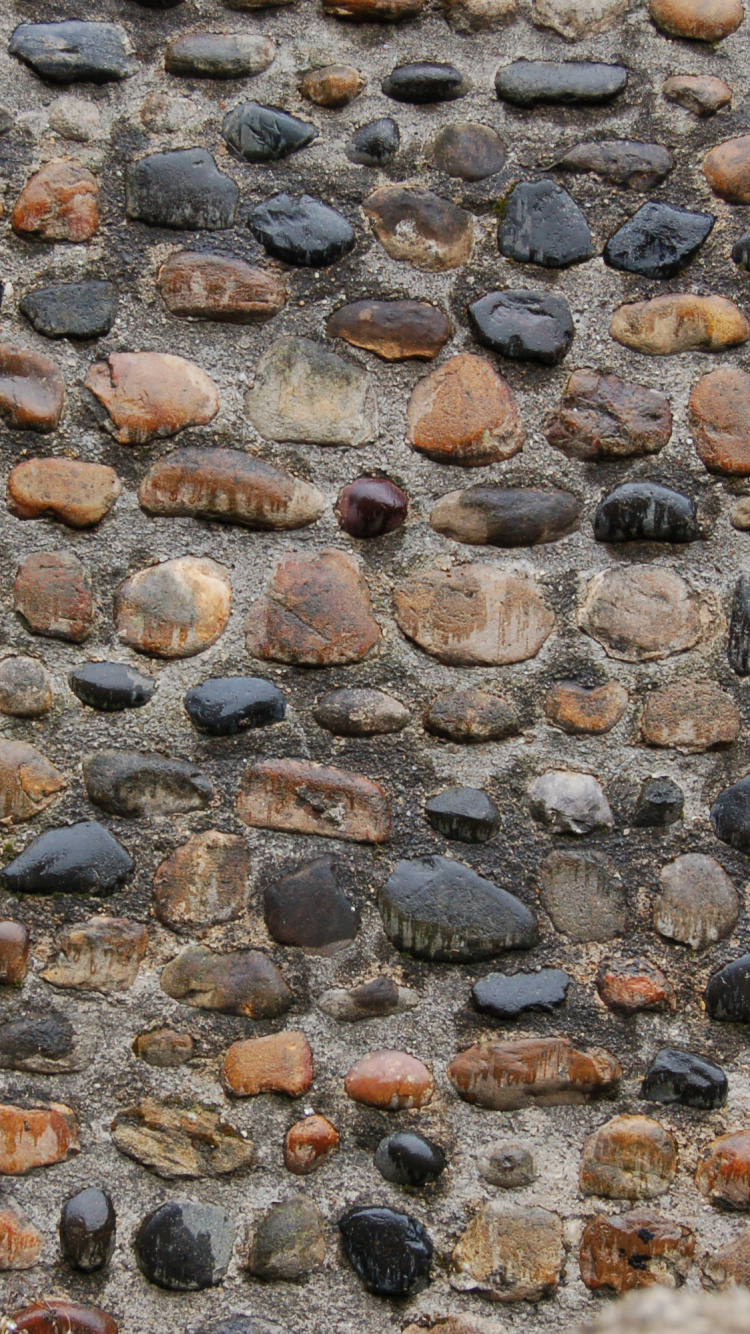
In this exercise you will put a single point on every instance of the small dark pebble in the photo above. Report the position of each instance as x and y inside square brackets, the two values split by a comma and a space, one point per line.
[679, 1076]
[265, 134]
[423, 83]
[738, 650]
[659, 240]
[646, 512]
[543, 225]
[111, 686]
[741, 251]
[524, 325]
[371, 507]
[505, 996]
[730, 815]
[469, 152]
[509, 1166]
[527, 83]
[87, 1230]
[302, 230]
[463, 813]
[374, 144]
[659, 803]
[408, 1159]
[78, 859]
[184, 1245]
[728, 992]
[389, 1251]
[226, 705]
[71, 310]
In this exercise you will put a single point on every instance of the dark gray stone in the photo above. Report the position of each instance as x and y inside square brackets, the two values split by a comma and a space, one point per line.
[289, 1241]
[183, 189]
[356, 712]
[301, 230]
[422, 83]
[528, 83]
[307, 908]
[73, 51]
[469, 152]
[543, 225]
[626, 162]
[265, 134]
[505, 516]
[124, 782]
[728, 992]
[408, 1159]
[79, 859]
[88, 1226]
[42, 1045]
[680, 1077]
[523, 325]
[463, 813]
[730, 815]
[389, 1251]
[72, 310]
[375, 143]
[646, 512]
[227, 705]
[741, 251]
[660, 802]
[738, 649]
[505, 996]
[185, 1245]
[216, 55]
[111, 687]
[659, 240]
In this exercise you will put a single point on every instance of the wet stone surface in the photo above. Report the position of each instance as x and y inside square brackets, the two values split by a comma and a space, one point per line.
[408, 1159]
[504, 996]
[225, 706]
[681, 1077]
[527, 83]
[87, 1229]
[390, 1252]
[463, 813]
[524, 325]
[659, 241]
[543, 225]
[81, 858]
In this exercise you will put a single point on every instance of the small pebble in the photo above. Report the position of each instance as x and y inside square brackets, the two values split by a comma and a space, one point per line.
[423, 84]
[408, 1159]
[87, 1230]
[374, 144]
[371, 507]
[332, 86]
[111, 687]
[308, 1144]
[509, 1166]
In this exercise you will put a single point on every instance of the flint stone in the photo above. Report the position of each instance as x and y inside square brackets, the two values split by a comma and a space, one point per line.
[256, 133]
[646, 512]
[243, 982]
[228, 705]
[660, 802]
[182, 189]
[728, 992]
[543, 225]
[302, 230]
[528, 83]
[524, 325]
[124, 782]
[626, 162]
[505, 996]
[71, 310]
[408, 1159]
[111, 687]
[87, 1230]
[505, 516]
[73, 51]
[78, 859]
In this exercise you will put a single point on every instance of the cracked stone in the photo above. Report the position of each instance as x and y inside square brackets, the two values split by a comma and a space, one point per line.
[103, 954]
[180, 1143]
[635, 1250]
[570, 803]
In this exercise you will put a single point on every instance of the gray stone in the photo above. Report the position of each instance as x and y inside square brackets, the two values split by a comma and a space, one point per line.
[506, 995]
[583, 895]
[73, 51]
[463, 813]
[468, 151]
[24, 688]
[622, 161]
[360, 712]
[215, 55]
[185, 1245]
[528, 83]
[698, 904]
[369, 1000]
[571, 803]
[505, 516]
[71, 310]
[375, 143]
[509, 1166]
[183, 189]
[43, 1045]
[303, 393]
[289, 1242]
[543, 225]
[470, 717]
[123, 782]
[256, 133]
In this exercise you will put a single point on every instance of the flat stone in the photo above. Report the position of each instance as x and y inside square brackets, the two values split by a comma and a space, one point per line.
[103, 954]
[332, 85]
[393, 330]
[643, 613]
[583, 894]
[543, 225]
[601, 417]
[128, 783]
[164, 1048]
[523, 325]
[504, 516]
[43, 1045]
[203, 882]
[76, 859]
[646, 512]
[635, 1250]
[695, 20]
[659, 241]
[182, 189]
[698, 903]
[14, 952]
[719, 413]
[32, 390]
[729, 1266]
[299, 796]
[87, 1230]
[175, 609]
[41, 1318]
[463, 813]
[36, 1136]
[304, 393]
[679, 322]
[180, 1143]
[163, 113]
[185, 1245]
[52, 594]
[390, 1252]
[256, 133]
[111, 687]
[150, 395]
[25, 691]
[628, 1158]
[306, 907]
[374, 11]
[533, 1072]
[468, 151]
[360, 712]
[368, 1000]
[228, 705]
[473, 615]
[509, 1166]
[58, 203]
[738, 647]
[440, 909]
[634, 985]
[728, 992]
[29, 782]
[73, 51]
[302, 230]
[703, 94]
[626, 162]
[374, 144]
[569, 802]
[465, 413]
[575, 20]
[71, 310]
[408, 1159]
[471, 717]
[288, 1242]
[308, 1145]
[78, 494]
[280, 1063]
[505, 996]
[479, 15]
[241, 982]
[20, 1241]
[730, 815]
[229, 486]
[509, 1255]
[682, 1078]
[691, 716]
[528, 83]
[585, 710]
[723, 1174]
[418, 227]
[316, 613]
[424, 84]
[390, 1080]
[214, 55]
[222, 288]
[659, 803]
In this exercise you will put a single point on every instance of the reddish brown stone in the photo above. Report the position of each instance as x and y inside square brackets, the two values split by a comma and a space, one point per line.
[316, 613]
[219, 287]
[417, 227]
[394, 330]
[164, 1048]
[58, 203]
[532, 1072]
[465, 413]
[151, 395]
[20, 1242]
[280, 1063]
[374, 11]
[52, 593]
[602, 417]
[203, 882]
[727, 169]
[36, 1137]
[634, 985]
[699, 20]
[629, 1158]
[32, 390]
[57, 1315]
[719, 411]
[679, 322]
[174, 610]
[474, 615]
[306, 798]
[643, 612]
[14, 952]
[78, 494]
[703, 94]
[332, 85]
[723, 1174]
[231, 486]
[690, 716]
[103, 954]
[308, 1144]
[580, 710]
[391, 1080]
[470, 717]
[28, 782]
[635, 1250]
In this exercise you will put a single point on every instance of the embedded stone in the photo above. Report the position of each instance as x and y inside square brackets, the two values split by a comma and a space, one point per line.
[691, 716]
[695, 20]
[723, 1174]
[368, 1000]
[20, 1241]
[528, 83]
[58, 203]
[436, 908]
[583, 894]
[509, 1255]
[73, 51]
[626, 162]
[418, 227]
[151, 395]
[29, 782]
[55, 1313]
[175, 609]
[75, 118]
[408, 1159]
[374, 144]
[44, 1045]
[316, 613]
[164, 1048]
[727, 170]
[463, 813]
[509, 1166]
[469, 717]
[371, 507]
[229, 486]
[222, 288]
[479, 15]
[32, 390]
[505, 996]
[738, 647]
[280, 1063]
[730, 815]
[703, 94]
[241, 982]
[682, 1078]
[360, 712]
[185, 1245]
[583, 710]
[332, 85]
[71, 310]
[601, 417]
[25, 690]
[740, 515]
[103, 954]
[523, 325]
[643, 613]
[473, 615]
[77, 859]
[634, 985]
[204, 882]
[660, 802]
[228, 705]
[659, 240]
[533, 1072]
[308, 1144]
[543, 225]
[729, 1266]
[52, 594]
[306, 907]
[299, 796]
[576, 21]
[629, 1158]
[646, 512]
[214, 55]
[390, 1252]
[635, 1250]
[36, 1137]
[182, 189]
[728, 992]
[78, 494]
[374, 11]
[180, 1143]
[305, 394]
[570, 803]
[394, 330]
[289, 1241]
[256, 133]
[14, 952]
[302, 230]
[465, 413]
[390, 1080]
[719, 413]
[127, 783]
[111, 687]
[468, 151]
[679, 322]
[505, 516]
[87, 1230]
[423, 84]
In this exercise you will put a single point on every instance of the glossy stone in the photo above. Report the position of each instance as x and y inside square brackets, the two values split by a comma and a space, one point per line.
[585, 710]
[308, 1145]
[660, 802]
[14, 952]
[390, 1080]
[75, 493]
[468, 152]
[730, 815]
[20, 1241]
[52, 594]
[635, 1250]
[185, 1245]
[371, 507]
[505, 516]
[723, 1174]
[634, 985]
[227, 705]
[78, 859]
[570, 802]
[316, 613]
[180, 1144]
[182, 189]
[658, 241]
[73, 51]
[175, 609]
[506, 1076]
[389, 1251]
[703, 94]
[727, 170]
[646, 512]
[471, 717]
[306, 907]
[583, 894]
[213, 55]
[288, 1243]
[45, 1045]
[368, 1000]
[302, 797]
[642, 613]
[280, 1063]
[256, 133]
[332, 85]
[523, 325]
[111, 687]
[463, 813]
[125, 782]
[301, 230]
[374, 144]
[32, 390]
[695, 20]
[393, 330]
[204, 882]
[626, 162]
[422, 83]
[602, 417]
[103, 954]
[691, 716]
[528, 83]
[418, 227]
[505, 996]
[58, 203]
[242, 982]
[53, 1314]
[509, 1255]
[408, 1159]
[543, 225]
[728, 992]
[36, 1136]
[25, 690]
[679, 322]
[680, 1077]
[150, 395]
[164, 1048]
[71, 310]
[628, 1158]
[719, 413]
[219, 287]
[509, 1166]
[87, 1230]
[353, 712]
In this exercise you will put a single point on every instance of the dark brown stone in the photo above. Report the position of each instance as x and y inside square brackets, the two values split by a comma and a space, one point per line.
[52, 1315]
[533, 1072]
[505, 516]
[58, 203]
[371, 507]
[32, 390]
[360, 713]
[470, 717]
[219, 287]
[703, 94]
[307, 908]
[394, 330]
[52, 592]
[635, 1250]
[419, 228]
[316, 613]
[465, 412]
[164, 1048]
[78, 494]
[242, 982]
[230, 486]
[602, 417]
[14, 952]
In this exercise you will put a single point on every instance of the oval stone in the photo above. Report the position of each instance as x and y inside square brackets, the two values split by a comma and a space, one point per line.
[643, 613]
[465, 413]
[371, 507]
[55, 1313]
[422, 83]
[679, 322]
[408, 1159]
[469, 717]
[719, 411]
[469, 152]
[242, 982]
[417, 227]
[393, 330]
[304, 393]
[32, 390]
[175, 609]
[628, 1158]
[505, 996]
[111, 686]
[301, 230]
[360, 712]
[528, 83]
[185, 1245]
[507, 1076]
[696, 20]
[389, 1251]
[473, 615]
[151, 395]
[332, 85]
[703, 94]
[582, 710]
[308, 1144]
[505, 516]
[227, 705]
[78, 859]
[78, 494]
[128, 783]
[601, 417]
[229, 486]
[87, 1230]
[523, 325]
[626, 162]
[214, 55]
[646, 512]
[391, 1080]
[219, 287]
[25, 690]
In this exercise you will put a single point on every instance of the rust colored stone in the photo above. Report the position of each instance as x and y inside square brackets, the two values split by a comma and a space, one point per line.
[57, 1315]
[175, 609]
[103, 954]
[470, 717]
[465, 413]
[308, 1144]
[316, 613]
[20, 1242]
[634, 985]
[230, 486]
[679, 322]
[36, 1137]
[723, 1174]
[32, 390]
[219, 287]
[164, 1048]
[719, 413]
[699, 20]
[643, 613]
[52, 592]
[78, 494]
[394, 330]
[629, 1158]
[151, 395]
[280, 1063]
[391, 1080]
[28, 782]
[58, 203]
[581, 710]
[703, 94]
[14, 952]
[635, 1250]
[204, 882]
[417, 227]
[690, 716]
[602, 417]
[474, 615]
[727, 169]
[301, 797]
[332, 85]
[532, 1072]
[374, 11]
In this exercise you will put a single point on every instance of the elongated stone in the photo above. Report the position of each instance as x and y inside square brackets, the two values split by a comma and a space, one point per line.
[151, 395]
[635, 1250]
[391, 1080]
[204, 882]
[464, 813]
[256, 133]
[533, 1072]
[78, 859]
[227, 705]
[626, 162]
[368, 1000]
[728, 992]
[36, 1136]
[643, 613]
[42, 1317]
[180, 1143]
[164, 1048]
[583, 895]
[738, 648]
[374, 11]
[473, 615]
[360, 713]
[78, 494]
[46, 1045]
[73, 51]
[58, 203]
[32, 390]
[646, 512]
[659, 240]
[183, 1245]
[723, 1174]
[125, 782]
[528, 83]
[469, 717]
[229, 486]
[505, 516]
[374, 144]
[219, 287]
[422, 83]
[20, 1241]
[175, 609]
[509, 1255]
[241, 982]
[306, 907]
[679, 322]
[524, 325]
[279, 1063]
[585, 710]
[467, 16]
[306, 798]
[71, 310]
[213, 55]
[304, 393]
[601, 417]
[111, 687]
[465, 413]
[316, 613]
[394, 330]
[53, 596]
[29, 782]
[182, 189]
[682, 1078]
[730, 815]
[288, 1242]
[544, 225]
[505, 996]
[87, 1230]
[418, 227]
[691, 716]
[302, 230]
[389, 1251]
[628, 1158]
[103, 954]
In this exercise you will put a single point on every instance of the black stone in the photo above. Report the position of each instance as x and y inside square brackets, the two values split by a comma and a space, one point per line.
[422, 83]
[389, 1251]
[184, 1245]
[307, 908]
[505, 996]
[265, 134]
[125, 782]
[646, 512]
[526, 83]
[728, 992]
[374, 144]
[72, 310]
[738, 648]
[468, 151]
[111, 687]
[78, 859]
[523, 325]
[730, 815]
[302, 230]
[25, 1043]
[741, 251]
[678, 1076]
[543, 225]
[226, 705]
[624, 162]
[436, 908]
[183, 189]
[87, 1230]
[660, 802]
[464, 813]
[659, 240]
[72, 51]
[408, 1159]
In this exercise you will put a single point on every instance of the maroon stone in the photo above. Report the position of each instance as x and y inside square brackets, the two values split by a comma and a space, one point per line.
[371, 506]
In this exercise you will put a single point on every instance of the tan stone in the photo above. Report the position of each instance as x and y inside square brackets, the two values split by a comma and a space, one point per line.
[240, 982]
[679, 322]
[723, 1174]
[629, 1158]
[78, 494]
[391, 1080]
[719, 413]
[58, 203]
[465, 413]
[643, 612]
[29, 783]
[635, 1250]
[36, 1137]
[175, 609]
[479, 15]
[204, 882]
[332, 85]
[583, 894]
[52, 592]
[393, 330]
[219, 287]
[690, 716]
[32, 390]
[740, 516]
[729, 1265]
[25, 690]
[575, 20]
[231, 486]
[473, 615]
[602, 417]
[20, 1241]
[280, 1063]
[301, 797]
[14, 952]
[304, 393]
[151, 395]
[374, 11]
[582, 710]
[699, 20]
[532, 1072]
[316, 613]
[418, 227]
[103, 954]
[703, 94]
[636, 984]
[509, 1255]
[164, 1048]
[727, 169]
[308, 1144]
[180, 1143]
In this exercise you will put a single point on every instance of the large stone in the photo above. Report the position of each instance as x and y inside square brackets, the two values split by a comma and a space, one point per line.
[390, 1080]
[316, 613]
[394, 330]
[643, 613]
[504, 516]
[219, 287]
[523, 325]
[646, 512]
[627, 162]
[230, 486]
[471, 717]
[180, 1143]
[528, 83]
[719, 410]
[204, 882]
[691, 716]
[635, 1250]
[279, 1063]
[723, 1174]
[299, 796]
[465, 413]
[570, 802]
[698, 903]
[81, 858]
[389, 1251]
[306, 907]
[473, 615]
[183, 1245]
[533, 1072]
[543, 225]
[679, 322]
[418, 227]
[128, 783]
[304, 393]
[509, 1255]
[73, 51]
[58, 203]
[55, 1313]
[25, 691]
[29, 782]
[182, 189]
[32, 390]
[20, 1241]
[628, 1158]
[585, 710]
[289, 1242]
[103, 954]
[583, 895]
[71, 310]
[601, 417]
[302, 230]
[175, 609]
[78, 494]
[36, 1136]
[52, 594]
[696, 19]
[214, 55]
[151, 395]
[243, 982]
[658, 241]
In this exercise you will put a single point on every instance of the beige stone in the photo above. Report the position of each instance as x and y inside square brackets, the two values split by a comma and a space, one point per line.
[474, 615]
[103, 954]
[690, 716]
[417, 227]
[629, 1158]
[643, 612]
[78, 494]
[29, 783]
[301, 797]
[465, 413]
[578, 20]
[175, 609]
[509, 1254]
[698, 903]
[150, 395]
[204, 882]
[680, 322]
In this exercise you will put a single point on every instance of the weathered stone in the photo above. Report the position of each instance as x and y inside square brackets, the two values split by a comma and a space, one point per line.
[679, 322]
[505, 996]
[703, 94]
[175, 609]
[628, 1158]
[75, 118]
[203, 882]
[87, 1230]
[73, 51]
[738, 647]
[164, 1048]
[20, 1241]
[374, 144]
[634, 1250]
[103, 954]
[71, 310]
[468, 151]
[528, 83]
[29, 782]
[479, 15]
[256, 133]
[302, 230]
[533, 1072]
[699, 21]
[465, 413]
[585, 710]
[543, 225]
[659, 240]
[394, 330]
[523, 325]
[219, 287]
[77, 859]
[469, 717]
[691, 716]
[391, 1080]
[184, 1245]
[740, 515]
[569, 802]
[111, 687]
[473, 615]
[423, 84]
[577, 21]
[729, 1266]
[418, 227]
[228, 705]
[242, 982]
[78, 494]
[230, 486]
[509, 1166]
[58, 203]
[45, 1045]
[332, 85]
[289, 1242]
[316, 613]
[730, 815]
[52, 594]
[719, 410]
[682, 1078]
[183, 189]
[302, 797]
[626, 162]
[509, 1255]
[304, 393]
[374, 11]
[55, 1313]
[25, 691]
[280, 1063]
[728, 992]
[214, 55]
[583, 895]
[36, 1136]
[32, 390]
[14, 952]
[463, 813]
[306, 907]
[308, 1144]
[151, 395]
[643, 613]
[636, 984]
[389, 1251]
[727, 169]
[360, 712]
[125, 782]
[646, 512]
[505, 516]
[723, 1174]
[601, 417]
[368, 1000]
[660, 802]
[180, 1143]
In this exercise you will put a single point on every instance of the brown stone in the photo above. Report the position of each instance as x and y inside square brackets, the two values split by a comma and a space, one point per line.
[727, 169]
[332, 85]
[151, 395]
[20, 1242]
[280, 1063]
[719, 414]
[242, 982]
[288, 1242]
[219, 287]
[316, 613]
[583, 894]
[103, 954]
[53, 1315]
[14, 952]
[374, 11]
[479, 15]
[391, 1080]
[629, 1158]
[533, 1072]
[394, 330]
[230, 486]
[204, 882]
[180, 1143]
[679, 322]
[634, 985]
[25, 690]
[635, 1250]
[299, 796]
[175, 609]
[582, 710]
[417, 227]
[360, 712]
[723, 1174]
[699, 20]
[465, 413]
[703, 94]
[470, 717]
[164, 1048]
[32, 390]
[58, 203]
[642, 613]
[474, 615]
[36, 1137]
[78, 494]
[690, 716]
[602, 417]
[509, 1254]
[308, 1144]
[29, 783]
[52, 593]
[729, 1265]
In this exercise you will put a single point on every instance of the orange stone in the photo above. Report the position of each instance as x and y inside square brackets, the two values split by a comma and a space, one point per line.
[393, 330]
[635, 1250]
[723, 1174]
[57, 1315]
[465, 413]
[719, 413]
[634, 985]
[205, 881]
[78, 494]
[20, 1242]
[58, 203]
[316, 613]
[579, 710]
[700, 20]
[175, 609]
[629, 1158]
[151, 395]
[14, 952]
[280, 1063]
[52, 592]
[302, 797]
[391, 1080]
[727, 169]
[219, 287]
[532, 1072]
[308, 1144]
[679, 322]
[36, 1137]
[32, 390]
[28, 782]
[332, 85]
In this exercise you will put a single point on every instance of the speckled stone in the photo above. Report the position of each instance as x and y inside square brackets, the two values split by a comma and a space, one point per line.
[509, 1254]
[52, 594]
[288, 1242]
[510, 1166]
[71, 310]
[634, 985]
[58, 203]
[280, 1063]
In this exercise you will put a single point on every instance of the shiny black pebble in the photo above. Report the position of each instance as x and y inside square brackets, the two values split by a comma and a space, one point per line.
[422, 83]
[265, 134]
[646, 512]
[728, 992]
[185, 1245]
[78, 859]
[730, 815]
[408, 1159]
[226, 705]
[659, 240]
[111, 687]
[302, 230]
[87, 1230]
[505, 996]
[680, 1077]
[523, 325]
[543, 225]
[463, 813]
[374, 144]
[389, 1251]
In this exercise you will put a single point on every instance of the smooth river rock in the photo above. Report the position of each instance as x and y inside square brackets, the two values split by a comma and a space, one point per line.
[627, 162]
[393, 330]
[679, 322]
[302, 230]
[81, 858]
[523, 325]
[505, 516]
[528, 83]
[229, 486]
[543, 225]
[418, 227]
[219, 287]
[533, 1072]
